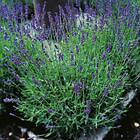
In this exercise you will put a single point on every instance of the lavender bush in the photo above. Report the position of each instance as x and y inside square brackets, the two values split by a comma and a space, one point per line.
[71, 78]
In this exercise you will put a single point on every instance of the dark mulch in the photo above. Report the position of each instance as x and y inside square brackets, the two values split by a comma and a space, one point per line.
[127, 129]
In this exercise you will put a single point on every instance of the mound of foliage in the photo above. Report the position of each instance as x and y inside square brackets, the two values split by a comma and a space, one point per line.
[77, 82]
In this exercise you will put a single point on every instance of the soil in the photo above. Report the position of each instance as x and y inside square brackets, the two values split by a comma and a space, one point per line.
[128, 127]
[12, 128]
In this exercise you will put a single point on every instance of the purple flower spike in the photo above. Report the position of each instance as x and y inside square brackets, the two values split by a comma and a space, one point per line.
[16, 60]
[80, 68]
[74, 33]
[26, 11]
[97, 66]
[93, 76]
[16, 42]
[88, 102]
[77, 49]
[109, 49]
[105, 92]
[77, 3]
[87, 111]
[72, 55]
[102, 22]
[11, 100]
[93, 39]
[6, 36]
[50, 110]
[16, 76]
[88, 107]
[78, 87]
[21, 43]
[35, 81]
[50, 126]
[60, 56]
[82, 38]
[104, 55]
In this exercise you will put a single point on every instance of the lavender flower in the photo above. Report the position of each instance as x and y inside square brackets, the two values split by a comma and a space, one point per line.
[0, 28]
[11, 100]
[93, 76]
[23, 51]
[74, 33]
[21, 43]
[78, 87]
[8, 82]
[108, 9]
[77, 49]
[69, 11]
[35, 81]
[104, 117]
[97, 66]
[80, 68]
[16, 42]
[26, 11]
[57, 20]
[60, 56]
[93, 39]
[16, 76]
[87, 111]
[44, 10]
[105, 92]
[6, 36]
[82, 38]
[10, 26]
[96, 25]
[72, 55]
[113, 66]
[102, 22]
[50, 126]
[88, 107]
[109, 48]
[77, 3]
[118, 84]
[38, 9]
[16, 60]
[50, 110]
[104, 55]
[21, 9]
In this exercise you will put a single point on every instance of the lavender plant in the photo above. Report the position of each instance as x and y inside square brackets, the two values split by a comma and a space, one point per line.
[81, 83]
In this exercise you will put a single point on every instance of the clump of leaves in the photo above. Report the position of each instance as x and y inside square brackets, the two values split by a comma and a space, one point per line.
[81, 84]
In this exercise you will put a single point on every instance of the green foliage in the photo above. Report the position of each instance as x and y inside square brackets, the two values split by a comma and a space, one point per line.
[135, 71]
[79, 85]
[49, 85]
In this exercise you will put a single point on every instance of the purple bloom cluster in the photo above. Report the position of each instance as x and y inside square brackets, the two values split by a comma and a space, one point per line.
[109, 48]
[106, 92]
[60, 56]
[16, 60]
[78, 87]
[6, 36]
[35, 81]
[50, 110]
[11, 100]
[88, 107]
